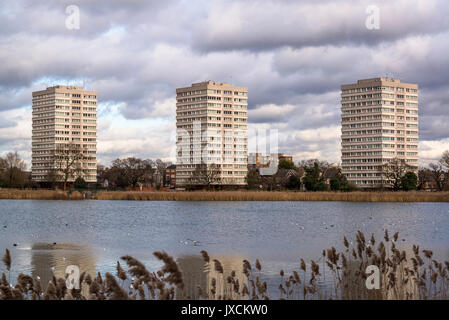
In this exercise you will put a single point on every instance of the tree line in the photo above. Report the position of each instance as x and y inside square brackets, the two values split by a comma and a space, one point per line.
[308, 175]
[133, 172]
[316, 175]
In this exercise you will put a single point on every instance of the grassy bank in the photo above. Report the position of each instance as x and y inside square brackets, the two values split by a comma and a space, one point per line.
[233, 196]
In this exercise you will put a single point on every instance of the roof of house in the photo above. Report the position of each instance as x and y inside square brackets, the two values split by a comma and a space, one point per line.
[268, 171]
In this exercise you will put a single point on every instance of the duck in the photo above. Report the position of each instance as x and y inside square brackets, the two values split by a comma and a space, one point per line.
[195, 242]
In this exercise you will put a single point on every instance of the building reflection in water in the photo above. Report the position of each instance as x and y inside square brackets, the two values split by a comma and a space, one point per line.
[198, 273]
[48, 260]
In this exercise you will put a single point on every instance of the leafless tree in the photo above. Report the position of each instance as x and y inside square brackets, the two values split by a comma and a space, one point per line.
[67, 162]
[424, 176]
[3, 166]
[52, 177]
[322, 165]
[440, 171]
[206, 175]
[161, 167]
[133, 170]
[12, 168]
[445, 160]
[439, 175]
[394, 171]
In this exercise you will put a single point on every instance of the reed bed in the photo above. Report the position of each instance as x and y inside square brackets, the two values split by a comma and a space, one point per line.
[230, 196]
[277, 196]
[402, 277]
[39, 195]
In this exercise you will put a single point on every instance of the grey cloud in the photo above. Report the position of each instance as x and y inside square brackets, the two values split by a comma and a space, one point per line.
[6, 123]
[96, 17]
[288, 53]
[267, 25]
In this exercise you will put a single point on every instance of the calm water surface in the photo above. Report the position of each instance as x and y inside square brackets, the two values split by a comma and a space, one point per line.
[94, 234]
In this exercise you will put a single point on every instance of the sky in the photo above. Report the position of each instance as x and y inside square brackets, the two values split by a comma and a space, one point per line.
[293, 56]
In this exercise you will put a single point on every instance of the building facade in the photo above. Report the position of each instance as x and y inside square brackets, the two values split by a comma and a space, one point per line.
[64, 123]
[259, 160]
[170, 176]
[212, 133]
[379, 123]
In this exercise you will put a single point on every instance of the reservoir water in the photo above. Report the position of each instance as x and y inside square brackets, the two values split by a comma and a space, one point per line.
[46, 236]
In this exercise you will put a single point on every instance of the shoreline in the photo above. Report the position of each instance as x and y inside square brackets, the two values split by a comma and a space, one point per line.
[358, 196]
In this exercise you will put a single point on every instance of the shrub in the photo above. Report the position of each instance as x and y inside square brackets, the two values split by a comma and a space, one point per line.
[409, 181]
[293, 183]
[80, 183]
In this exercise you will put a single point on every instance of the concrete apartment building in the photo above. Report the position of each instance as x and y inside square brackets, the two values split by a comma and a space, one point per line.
[211, 121]
[379, 123]
[63, 116]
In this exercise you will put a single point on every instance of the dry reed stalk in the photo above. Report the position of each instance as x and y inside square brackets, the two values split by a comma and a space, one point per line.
[402, 278]
[275, 196]
[242, 195]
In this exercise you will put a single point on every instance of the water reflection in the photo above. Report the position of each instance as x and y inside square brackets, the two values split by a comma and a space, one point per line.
[198, 273]
[277, 233]
[48, 260]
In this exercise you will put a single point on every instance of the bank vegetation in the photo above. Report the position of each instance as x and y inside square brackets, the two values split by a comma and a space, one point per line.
[243, 195]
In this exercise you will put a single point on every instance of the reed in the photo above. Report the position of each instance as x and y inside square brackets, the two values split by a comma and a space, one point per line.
[15, 194]
[230, 196]
[276, 196]
[413, 276]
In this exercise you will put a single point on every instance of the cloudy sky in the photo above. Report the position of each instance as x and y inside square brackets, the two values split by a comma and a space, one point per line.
[292, 55]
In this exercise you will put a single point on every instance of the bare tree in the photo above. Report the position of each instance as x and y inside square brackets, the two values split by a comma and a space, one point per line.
[206, 175]
[438, 174]
[394, 171]
[445, 162]
[134, 171]
[160, 168]
[424, 176]
[2, 168]
[440, 171]
[67, 162]
[445, 159]
[52, 177]
[12, 168]
[322, 165]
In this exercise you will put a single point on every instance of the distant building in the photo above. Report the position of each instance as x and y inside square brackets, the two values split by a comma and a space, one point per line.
[170, 176]
[62, 116]
[276, 179]
[211, 121]
[379, 123]
[260, 161]
[283, 157]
